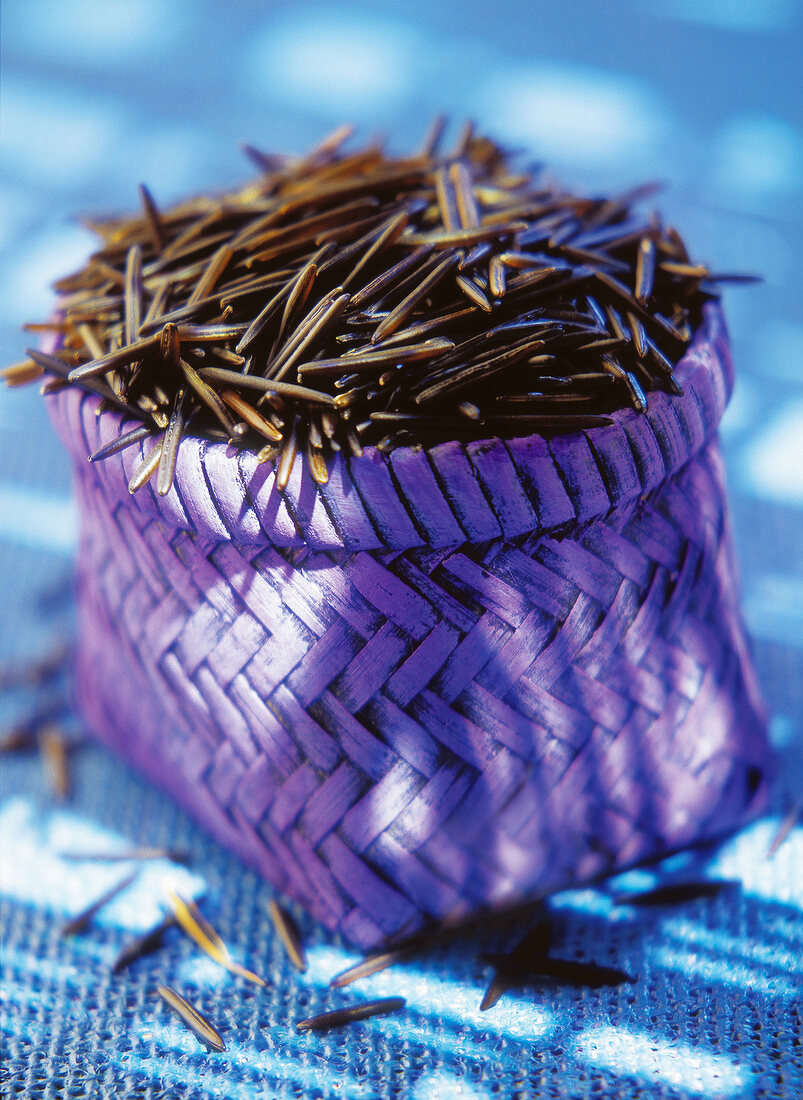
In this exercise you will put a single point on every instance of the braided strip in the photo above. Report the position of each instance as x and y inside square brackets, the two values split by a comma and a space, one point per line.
[449, 494]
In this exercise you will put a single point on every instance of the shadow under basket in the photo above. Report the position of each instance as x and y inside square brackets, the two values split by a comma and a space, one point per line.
[447, 681]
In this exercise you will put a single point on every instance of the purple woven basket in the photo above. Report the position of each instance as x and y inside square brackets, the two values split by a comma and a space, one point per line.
[446, 681]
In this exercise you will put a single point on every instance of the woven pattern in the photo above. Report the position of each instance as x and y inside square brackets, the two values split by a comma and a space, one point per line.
[450, 494]
[394, 736]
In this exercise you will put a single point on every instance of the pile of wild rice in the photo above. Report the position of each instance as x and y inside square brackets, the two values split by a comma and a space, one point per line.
[352, 298]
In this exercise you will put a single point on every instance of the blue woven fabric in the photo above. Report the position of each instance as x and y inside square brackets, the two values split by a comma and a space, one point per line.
[100, 94]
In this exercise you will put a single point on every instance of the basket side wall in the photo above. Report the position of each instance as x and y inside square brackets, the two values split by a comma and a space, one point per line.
[399, 737]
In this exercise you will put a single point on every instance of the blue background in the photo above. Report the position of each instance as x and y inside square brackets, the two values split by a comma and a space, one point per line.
[97, 95]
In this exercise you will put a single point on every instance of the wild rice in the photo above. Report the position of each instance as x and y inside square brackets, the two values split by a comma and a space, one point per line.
[342, 1016]
[343, 262]
[198, 1024]
[79, 922]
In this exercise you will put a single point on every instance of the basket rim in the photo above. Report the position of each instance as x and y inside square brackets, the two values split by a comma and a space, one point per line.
[416, 496]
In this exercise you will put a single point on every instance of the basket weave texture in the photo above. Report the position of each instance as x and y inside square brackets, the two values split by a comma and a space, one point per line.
[445, 681]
